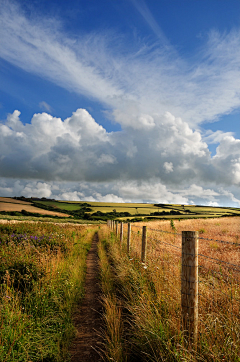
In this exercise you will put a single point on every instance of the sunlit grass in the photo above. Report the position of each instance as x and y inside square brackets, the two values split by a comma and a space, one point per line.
[36, 311]
[151, 293]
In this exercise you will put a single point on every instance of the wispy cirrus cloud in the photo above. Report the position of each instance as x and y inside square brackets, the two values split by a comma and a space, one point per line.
[143, 9]
[45, 106]
[144, 79]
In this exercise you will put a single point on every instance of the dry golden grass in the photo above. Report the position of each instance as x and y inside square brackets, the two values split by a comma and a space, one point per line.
[7, 206]
[219, 277]
[224, 229]
[156, 314]
[13, 201]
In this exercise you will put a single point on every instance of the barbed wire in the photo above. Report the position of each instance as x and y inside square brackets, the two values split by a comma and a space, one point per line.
[213, 271]
[220, 241]
[136, 232]
[218, 290]
[164, 231]
[200, 238]
[164, 242]
[234, 266]
[136, 226]
[218, 260]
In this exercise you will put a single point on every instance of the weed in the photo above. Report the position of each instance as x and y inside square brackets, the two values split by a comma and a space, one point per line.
[172, 225]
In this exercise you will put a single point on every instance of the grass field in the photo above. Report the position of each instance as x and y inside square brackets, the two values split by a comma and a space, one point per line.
[42, 274]
[61, 205]
[42, 277]
[143, 301]
[8, 204]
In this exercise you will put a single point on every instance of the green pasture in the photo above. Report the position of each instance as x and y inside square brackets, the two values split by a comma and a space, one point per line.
[133, 209]
[138, 209]
[61, 205]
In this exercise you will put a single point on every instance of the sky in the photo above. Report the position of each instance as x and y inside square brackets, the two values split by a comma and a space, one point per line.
[121, 100]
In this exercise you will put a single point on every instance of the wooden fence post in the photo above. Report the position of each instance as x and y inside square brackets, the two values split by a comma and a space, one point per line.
[116, 228]
[129, 238]
[121, 232]
[144, 244]
[189, 285]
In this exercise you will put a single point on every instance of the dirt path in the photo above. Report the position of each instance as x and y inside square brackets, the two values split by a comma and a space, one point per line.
[88, 320]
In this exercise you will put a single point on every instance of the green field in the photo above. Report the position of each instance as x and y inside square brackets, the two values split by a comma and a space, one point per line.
[136, 209]
[103, 211]
[61, 205]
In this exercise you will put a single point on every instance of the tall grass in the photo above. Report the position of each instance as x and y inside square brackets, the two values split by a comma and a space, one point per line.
[151, 301]
[42, 276]
[112, 331]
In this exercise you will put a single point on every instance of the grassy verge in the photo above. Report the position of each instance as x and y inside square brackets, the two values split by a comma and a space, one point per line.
[42, 276]
[144, 317]
[135, 327]
[113, 331]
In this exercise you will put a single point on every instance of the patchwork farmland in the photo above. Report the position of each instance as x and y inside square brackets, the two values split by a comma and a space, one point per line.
[95, 211]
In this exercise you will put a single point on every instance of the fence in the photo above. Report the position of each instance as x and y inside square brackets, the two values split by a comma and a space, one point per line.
[206, 288]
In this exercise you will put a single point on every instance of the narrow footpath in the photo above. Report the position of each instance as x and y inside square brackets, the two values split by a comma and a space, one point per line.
[87, 344]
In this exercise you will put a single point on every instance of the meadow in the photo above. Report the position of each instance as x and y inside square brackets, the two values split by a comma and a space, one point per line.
[143, 300]
[42, 273]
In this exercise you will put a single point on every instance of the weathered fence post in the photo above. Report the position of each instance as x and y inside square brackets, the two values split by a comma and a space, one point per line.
[116, 228]
[121, 232]
[129, 238]
[144, 244]
[189, 285]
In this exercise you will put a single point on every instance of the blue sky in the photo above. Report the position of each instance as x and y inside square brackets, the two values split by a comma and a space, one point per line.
[126, 100]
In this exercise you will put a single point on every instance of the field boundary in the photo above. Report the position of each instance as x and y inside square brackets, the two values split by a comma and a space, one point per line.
[195, 270]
